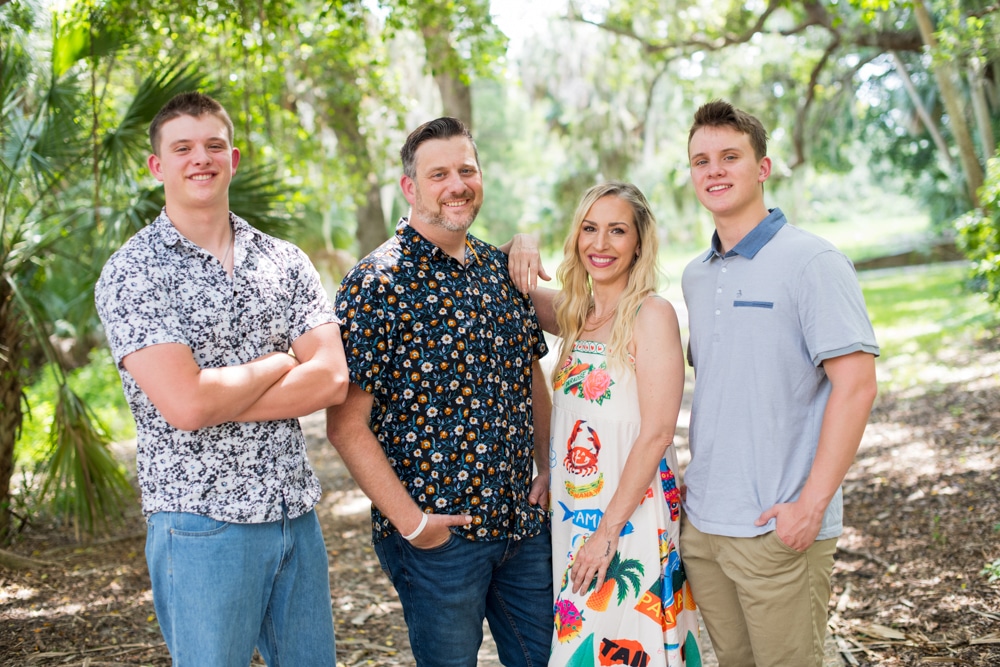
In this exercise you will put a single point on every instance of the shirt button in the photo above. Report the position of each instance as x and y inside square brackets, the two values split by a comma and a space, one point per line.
[718, 290]
[723, 269]
[718, 312]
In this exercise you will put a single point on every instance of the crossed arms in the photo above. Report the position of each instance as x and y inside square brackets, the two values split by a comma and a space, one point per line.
[274, 386]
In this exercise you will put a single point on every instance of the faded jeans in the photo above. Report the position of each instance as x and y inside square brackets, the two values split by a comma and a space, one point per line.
[219, 589]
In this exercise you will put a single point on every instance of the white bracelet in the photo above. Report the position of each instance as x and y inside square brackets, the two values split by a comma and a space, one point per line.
[423, 524]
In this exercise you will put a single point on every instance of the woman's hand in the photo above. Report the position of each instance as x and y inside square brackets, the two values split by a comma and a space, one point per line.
[592, 560]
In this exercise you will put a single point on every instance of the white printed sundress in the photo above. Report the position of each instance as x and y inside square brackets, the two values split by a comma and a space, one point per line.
[644, 614]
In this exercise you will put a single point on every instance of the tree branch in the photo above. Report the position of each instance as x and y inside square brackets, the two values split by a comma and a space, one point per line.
[817, 15]
[922, 112]
[14, 561]
[798, 134]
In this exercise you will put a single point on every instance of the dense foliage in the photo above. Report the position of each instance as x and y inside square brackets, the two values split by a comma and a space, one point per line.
[323, 92]
[979, 235]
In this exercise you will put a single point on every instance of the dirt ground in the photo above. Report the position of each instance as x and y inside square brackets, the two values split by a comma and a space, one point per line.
[922, 522]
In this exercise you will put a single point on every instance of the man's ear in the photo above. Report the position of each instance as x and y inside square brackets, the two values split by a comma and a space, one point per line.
[153, 162]
[765, 169]
[409, 189]
[236, 158]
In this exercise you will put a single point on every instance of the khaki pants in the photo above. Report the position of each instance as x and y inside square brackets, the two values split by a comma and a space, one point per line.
[764, 604]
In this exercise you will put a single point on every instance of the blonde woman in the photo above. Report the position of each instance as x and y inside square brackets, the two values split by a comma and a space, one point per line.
[621, 592]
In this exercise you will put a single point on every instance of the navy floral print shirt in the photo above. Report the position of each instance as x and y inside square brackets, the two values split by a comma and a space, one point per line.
[446, 351]
[161, 288]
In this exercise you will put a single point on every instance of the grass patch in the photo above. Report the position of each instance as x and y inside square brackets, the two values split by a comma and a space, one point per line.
[922, 315]
[866, 238]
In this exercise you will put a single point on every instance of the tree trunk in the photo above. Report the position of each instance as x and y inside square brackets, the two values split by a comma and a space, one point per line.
[456, 97]
[980, 107]
[945, 74]
[11, 393]
[371, 230]
[444, 61]
[351, 141]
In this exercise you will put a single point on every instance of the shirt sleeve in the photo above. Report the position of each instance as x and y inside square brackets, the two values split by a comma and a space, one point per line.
[832, 309]
[134, 304]
[310, 306]
[532, 328]
[366, 325]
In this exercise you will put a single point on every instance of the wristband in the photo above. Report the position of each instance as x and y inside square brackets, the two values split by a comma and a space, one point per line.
[415, 534]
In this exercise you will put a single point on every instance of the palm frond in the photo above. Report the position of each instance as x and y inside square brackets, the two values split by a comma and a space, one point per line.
[630, 573]
[123, 147]
[15, 66]
[60, 139]
[86, 482]
[33, 240]
[81, 474]
[123, 222]
[258, 195]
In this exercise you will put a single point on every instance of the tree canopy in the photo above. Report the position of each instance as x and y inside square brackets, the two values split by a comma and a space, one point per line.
[322, 93]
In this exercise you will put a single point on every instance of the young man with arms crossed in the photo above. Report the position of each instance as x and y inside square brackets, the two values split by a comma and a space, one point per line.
[223, 337]
[784, 359]
[446, 403]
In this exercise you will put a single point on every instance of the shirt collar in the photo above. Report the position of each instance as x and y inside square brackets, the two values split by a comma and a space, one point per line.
[169, 235]
[473, 247]
[756, 239]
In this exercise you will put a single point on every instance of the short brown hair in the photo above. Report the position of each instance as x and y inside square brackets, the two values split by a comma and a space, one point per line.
[186, 104]
[439, 128]
[719, 113]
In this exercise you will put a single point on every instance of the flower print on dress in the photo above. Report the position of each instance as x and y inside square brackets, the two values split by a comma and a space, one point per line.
[578, 378]
[597, 385]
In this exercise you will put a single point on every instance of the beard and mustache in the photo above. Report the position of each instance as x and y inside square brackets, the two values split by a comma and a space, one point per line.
[438, 218]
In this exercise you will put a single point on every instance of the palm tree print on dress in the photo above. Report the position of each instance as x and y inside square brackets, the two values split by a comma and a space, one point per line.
[620, 574]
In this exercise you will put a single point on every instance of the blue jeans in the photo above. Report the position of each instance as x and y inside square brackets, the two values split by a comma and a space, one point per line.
[447, 591]
[221, 588]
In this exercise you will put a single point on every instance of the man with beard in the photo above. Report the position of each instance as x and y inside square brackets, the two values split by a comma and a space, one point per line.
[446, 407]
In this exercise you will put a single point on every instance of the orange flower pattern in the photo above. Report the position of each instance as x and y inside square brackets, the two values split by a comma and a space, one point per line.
[446, 350]
[585, 380]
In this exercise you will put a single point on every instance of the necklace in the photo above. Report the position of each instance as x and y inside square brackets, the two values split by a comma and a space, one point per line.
[598, 321]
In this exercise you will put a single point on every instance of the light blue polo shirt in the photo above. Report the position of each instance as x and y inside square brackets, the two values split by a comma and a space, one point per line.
[762, 319]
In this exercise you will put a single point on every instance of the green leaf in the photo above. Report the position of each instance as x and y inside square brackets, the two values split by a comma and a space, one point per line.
[71, 42]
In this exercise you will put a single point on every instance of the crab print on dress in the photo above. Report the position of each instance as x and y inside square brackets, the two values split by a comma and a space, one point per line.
[644, 613]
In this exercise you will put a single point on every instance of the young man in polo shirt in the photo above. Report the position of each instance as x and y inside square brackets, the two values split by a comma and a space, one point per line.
[784, 359]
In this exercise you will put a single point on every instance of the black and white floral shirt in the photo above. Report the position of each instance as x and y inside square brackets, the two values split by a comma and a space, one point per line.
[162, 288]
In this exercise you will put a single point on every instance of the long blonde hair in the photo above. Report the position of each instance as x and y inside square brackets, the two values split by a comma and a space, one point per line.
[576, 296]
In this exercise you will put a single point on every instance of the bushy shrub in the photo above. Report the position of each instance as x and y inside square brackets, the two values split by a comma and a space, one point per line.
[979, 235]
